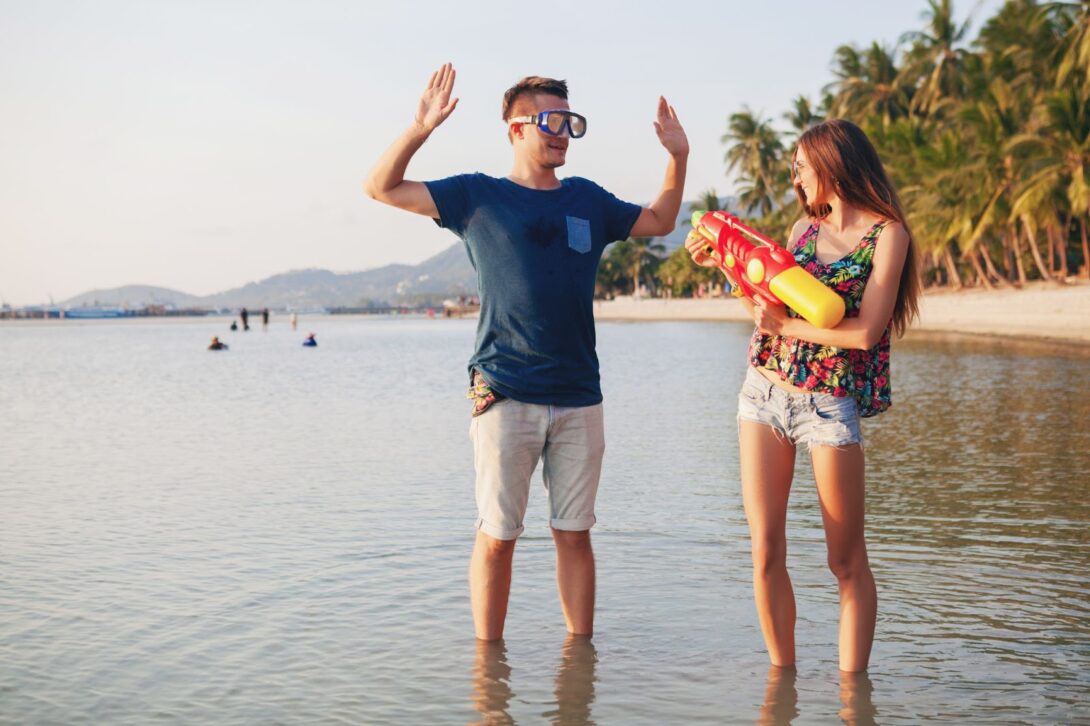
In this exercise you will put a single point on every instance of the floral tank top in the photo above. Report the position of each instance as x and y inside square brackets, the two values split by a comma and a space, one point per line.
[861, 374]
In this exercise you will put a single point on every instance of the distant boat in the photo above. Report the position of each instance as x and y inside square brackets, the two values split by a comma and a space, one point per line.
[462, 307]
[87, 313]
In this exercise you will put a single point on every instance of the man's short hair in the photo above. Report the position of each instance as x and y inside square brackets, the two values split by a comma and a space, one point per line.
[531, 86]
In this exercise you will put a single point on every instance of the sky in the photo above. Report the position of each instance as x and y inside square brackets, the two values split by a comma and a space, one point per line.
[200, 146]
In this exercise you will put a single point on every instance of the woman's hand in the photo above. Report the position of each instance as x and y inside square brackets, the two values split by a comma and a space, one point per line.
[771, 319]
[702, 253]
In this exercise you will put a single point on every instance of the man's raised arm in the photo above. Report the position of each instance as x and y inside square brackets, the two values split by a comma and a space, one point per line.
[661, 217]
[386, 182]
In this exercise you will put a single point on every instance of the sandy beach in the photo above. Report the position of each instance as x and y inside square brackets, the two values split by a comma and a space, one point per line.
[1041, 311]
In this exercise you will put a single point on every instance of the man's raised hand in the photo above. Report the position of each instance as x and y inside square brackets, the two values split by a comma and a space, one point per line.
[435, 104]
[671, 135]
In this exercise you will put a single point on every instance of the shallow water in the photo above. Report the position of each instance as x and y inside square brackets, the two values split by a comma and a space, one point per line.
[280, 534]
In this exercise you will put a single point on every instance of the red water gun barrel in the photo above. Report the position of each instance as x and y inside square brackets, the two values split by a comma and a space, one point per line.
[767, 271]
[748, 266]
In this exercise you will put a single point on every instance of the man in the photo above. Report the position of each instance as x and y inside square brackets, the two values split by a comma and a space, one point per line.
[535, 241]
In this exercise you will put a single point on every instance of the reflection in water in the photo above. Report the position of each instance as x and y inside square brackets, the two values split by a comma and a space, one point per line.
[574, 685]
[114, 572]
[781, 704]
[492, 683]
[855, 695]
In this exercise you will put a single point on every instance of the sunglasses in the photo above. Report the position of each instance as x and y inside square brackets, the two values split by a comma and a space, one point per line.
[555, 121]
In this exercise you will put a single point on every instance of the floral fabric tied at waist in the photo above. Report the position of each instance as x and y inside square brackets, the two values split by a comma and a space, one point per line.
[482, 394]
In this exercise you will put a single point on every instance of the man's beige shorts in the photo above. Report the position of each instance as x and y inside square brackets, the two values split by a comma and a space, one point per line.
[508, 441]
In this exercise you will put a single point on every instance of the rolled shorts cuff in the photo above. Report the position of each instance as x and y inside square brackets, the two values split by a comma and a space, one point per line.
[497, 532]
[576, 524]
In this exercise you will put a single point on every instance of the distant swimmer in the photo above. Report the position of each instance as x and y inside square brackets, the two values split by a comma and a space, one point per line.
[217, 344]
[234, 325]
[310, 342]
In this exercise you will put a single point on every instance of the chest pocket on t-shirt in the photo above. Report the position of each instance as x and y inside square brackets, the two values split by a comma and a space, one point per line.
[578, 234]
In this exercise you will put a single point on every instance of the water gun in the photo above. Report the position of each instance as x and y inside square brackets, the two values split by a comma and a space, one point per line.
[766, 271]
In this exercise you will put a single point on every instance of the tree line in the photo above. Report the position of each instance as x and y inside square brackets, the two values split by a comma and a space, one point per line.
[987, 141]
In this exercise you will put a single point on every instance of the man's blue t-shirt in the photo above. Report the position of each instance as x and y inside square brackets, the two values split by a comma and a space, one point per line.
[536, 254]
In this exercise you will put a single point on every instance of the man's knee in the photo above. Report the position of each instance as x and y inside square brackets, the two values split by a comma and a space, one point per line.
[493, 548]
[574, 541]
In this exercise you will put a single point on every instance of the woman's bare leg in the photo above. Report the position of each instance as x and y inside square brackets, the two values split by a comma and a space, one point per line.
[768, 465]
[839, 475]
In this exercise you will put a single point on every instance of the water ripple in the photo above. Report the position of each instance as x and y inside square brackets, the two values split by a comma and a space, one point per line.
[276, 536]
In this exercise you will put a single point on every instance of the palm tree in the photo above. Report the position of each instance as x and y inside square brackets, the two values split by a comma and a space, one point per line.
[989, 143]
[1057, 163]
[802, 116]
[644, 253]
[1075, 51]
[681, 276]
[1020, 46]
[626, 262]
[935, 202]
[706, 202]
[1018, 43]
[999, 113]
[755, 152]
[868, 84]
[935, 63]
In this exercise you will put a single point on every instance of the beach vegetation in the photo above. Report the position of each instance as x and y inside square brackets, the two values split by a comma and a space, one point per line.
[987, 140]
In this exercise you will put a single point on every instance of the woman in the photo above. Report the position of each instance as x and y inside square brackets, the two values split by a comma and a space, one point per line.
[811, 385]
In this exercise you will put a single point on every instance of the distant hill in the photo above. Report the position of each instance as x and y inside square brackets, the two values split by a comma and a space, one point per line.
[443, 275]
[134, 297]
[447, 274]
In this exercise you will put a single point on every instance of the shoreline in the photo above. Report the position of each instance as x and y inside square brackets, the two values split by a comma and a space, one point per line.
[1044, 313]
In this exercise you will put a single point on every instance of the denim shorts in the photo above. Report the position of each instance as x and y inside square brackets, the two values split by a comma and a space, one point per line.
[510, 438]
[814, 419]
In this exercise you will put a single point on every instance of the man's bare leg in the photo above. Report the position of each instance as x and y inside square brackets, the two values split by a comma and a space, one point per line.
[575, 579]
[490, 584]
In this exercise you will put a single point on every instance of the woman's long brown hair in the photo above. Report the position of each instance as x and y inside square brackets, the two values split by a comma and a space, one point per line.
[844, 159]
